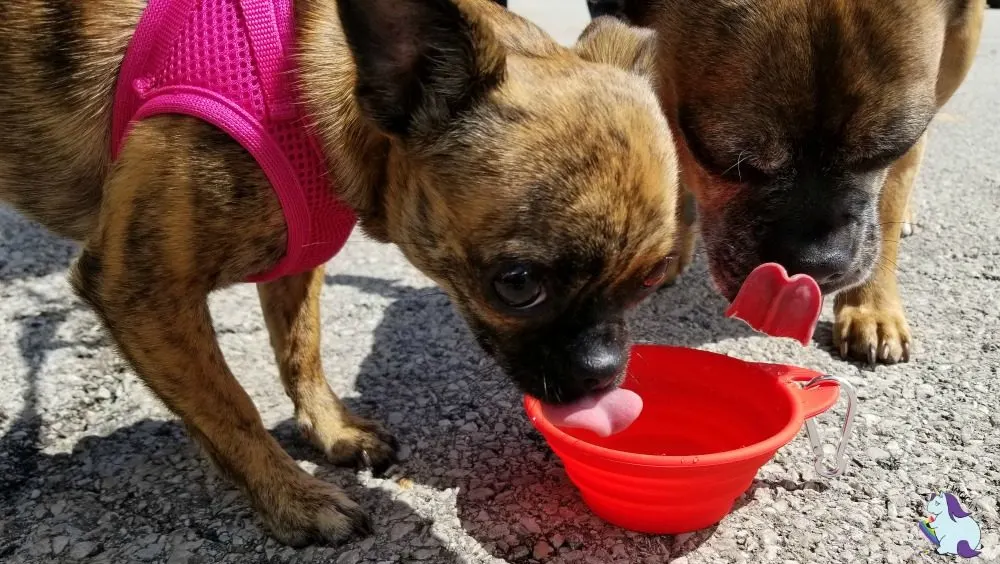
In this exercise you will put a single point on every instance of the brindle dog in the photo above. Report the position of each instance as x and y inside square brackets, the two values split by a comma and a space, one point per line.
[800, 128]
[535, 183]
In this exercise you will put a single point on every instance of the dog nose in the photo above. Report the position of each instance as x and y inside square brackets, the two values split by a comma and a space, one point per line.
[597, 368]
[823, 265]
[824, 255]
[597, 359]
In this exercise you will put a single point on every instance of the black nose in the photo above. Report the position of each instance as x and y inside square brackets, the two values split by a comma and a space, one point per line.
[826, 253]
[598, 368]
[597, 359]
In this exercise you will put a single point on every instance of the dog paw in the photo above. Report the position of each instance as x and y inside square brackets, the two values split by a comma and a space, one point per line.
[871, 334]
[306, 510]
[352, 441]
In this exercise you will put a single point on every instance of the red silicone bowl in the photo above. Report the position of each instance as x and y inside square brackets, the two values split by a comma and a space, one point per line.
[708, 423]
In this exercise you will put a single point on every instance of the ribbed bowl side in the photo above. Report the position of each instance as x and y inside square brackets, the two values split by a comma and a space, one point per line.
[665, 500]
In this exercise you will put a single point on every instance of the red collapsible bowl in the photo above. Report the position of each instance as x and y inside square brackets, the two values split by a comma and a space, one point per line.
[708, 423]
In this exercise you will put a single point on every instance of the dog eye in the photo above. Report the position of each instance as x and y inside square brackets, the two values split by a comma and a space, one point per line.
[733, 170]
[871, 163]
[519, 287]
[658, 274]
[743, 172]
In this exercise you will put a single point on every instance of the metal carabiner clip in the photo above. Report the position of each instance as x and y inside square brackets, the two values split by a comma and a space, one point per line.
[823, 468]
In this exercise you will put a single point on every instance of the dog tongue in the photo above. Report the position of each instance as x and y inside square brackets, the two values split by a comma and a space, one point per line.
[772, 303]
[605, 413]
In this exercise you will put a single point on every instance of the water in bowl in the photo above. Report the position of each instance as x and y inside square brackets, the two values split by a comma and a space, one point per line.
[698, 413]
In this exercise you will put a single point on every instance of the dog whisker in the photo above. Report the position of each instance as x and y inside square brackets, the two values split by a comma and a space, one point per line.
[887, 266]
[891, 263]
[739, 159]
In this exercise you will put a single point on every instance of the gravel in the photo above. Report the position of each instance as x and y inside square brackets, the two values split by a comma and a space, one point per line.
[94, 469]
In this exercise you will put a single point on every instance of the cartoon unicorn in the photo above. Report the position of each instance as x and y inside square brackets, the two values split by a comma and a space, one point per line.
[950, 527]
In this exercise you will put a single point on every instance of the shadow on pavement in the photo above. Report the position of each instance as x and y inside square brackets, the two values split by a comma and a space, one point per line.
[462, 424]
[19, 446]
[459, 420]
[143, 491]
[27, 250]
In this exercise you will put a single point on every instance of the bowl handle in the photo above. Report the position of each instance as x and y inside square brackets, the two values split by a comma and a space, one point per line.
[814, 399]
[818, 393]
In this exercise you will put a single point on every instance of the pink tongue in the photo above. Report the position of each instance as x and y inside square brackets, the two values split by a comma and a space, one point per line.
[605, 414]
[772, 303]
[769, 301]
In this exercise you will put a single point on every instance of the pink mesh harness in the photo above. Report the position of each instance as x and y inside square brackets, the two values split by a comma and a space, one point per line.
[230, 63]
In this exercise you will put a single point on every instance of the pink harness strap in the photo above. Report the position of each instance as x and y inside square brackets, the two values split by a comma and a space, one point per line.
[230, 63]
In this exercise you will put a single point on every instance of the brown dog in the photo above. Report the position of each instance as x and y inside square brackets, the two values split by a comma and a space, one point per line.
[535, 183]
[800, 129]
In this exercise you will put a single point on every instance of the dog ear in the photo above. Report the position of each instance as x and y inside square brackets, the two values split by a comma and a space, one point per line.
[419, 63]
[611, 41]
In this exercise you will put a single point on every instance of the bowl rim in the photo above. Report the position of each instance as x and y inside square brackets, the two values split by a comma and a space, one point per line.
[566, 442]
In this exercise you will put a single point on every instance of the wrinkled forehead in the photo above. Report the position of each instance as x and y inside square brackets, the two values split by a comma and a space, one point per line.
[804, 70]
[569, 133]
[579, 202]
[564, 161]
[582, 117]
[576, 179]
[888, 31]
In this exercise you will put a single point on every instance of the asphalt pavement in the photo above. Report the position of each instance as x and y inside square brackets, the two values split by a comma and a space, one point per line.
[93, 468]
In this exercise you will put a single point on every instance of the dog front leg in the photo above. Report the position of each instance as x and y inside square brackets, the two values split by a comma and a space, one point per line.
[291, 310]
[870, 324]
[174, 225]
